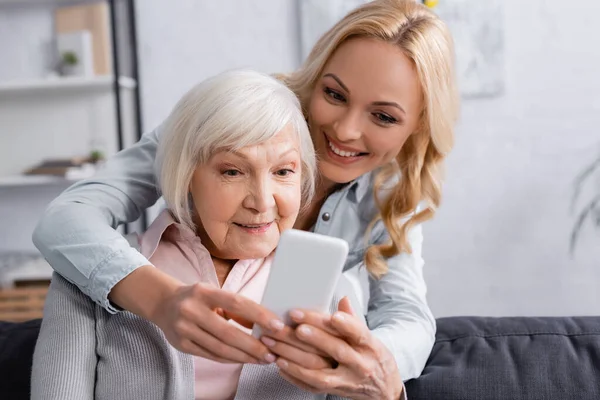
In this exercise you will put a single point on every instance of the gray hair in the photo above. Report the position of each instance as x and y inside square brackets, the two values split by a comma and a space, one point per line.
[228, 111]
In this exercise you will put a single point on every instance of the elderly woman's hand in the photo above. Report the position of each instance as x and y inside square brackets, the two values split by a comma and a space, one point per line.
[194, 320]
[362, 369]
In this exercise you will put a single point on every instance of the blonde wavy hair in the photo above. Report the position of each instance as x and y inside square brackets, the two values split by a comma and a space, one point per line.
[426, 40]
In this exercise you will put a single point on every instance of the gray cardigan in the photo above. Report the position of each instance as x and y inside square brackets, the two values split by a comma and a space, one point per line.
[84, 353]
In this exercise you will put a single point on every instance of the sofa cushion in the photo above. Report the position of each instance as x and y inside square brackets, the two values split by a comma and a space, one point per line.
[512, 358]
[17, 342]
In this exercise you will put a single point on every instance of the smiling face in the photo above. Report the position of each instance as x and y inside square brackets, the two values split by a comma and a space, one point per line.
[365, 105]
[244, 200]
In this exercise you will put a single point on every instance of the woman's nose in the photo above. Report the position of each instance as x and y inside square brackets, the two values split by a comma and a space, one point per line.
[261, 197]
[348, 127]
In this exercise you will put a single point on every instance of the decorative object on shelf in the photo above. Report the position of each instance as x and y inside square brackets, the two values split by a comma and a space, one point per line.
[75, 53]
[73, 168]
[96, 156]
[93, 18]
[477, 28]
[69, 58]
[590, 210]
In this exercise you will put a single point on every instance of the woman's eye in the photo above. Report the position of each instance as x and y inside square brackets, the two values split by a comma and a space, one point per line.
[333, 94]
[284, 172]
[231, 172]
[384, 118]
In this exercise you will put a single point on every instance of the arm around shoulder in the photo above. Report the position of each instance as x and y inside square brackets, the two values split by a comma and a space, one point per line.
[77, 235]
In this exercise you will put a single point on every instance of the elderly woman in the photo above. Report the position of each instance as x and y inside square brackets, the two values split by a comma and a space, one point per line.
[235, 162]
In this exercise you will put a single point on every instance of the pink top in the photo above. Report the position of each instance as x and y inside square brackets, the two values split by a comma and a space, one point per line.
[176, 250]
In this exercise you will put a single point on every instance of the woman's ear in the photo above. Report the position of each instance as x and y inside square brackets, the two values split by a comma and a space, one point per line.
[420, 125]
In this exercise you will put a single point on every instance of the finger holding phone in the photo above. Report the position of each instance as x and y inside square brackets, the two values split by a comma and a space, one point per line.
[195, 320]
[354, 364]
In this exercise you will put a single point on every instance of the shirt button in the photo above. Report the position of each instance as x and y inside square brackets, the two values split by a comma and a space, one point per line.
[326, 217]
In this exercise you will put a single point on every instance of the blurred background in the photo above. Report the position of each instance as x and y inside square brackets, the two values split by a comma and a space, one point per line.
[80, 80]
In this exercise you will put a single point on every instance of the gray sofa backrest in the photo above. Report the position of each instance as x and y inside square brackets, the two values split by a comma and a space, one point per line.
[513, 359]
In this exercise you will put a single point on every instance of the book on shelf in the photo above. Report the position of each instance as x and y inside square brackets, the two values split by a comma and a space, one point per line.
[69, 168]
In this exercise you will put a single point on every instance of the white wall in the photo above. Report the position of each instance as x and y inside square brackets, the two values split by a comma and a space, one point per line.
[499, 245]
[209, 37]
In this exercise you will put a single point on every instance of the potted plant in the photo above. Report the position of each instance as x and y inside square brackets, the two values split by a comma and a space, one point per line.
[96, 156]
[590, 210]
[69, 61]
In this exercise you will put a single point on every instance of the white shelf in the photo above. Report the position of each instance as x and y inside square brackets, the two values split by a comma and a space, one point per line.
[64, 84]
[46, 2]
[34, 180]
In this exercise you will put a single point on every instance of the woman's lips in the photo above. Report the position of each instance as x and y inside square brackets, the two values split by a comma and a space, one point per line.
[254, 228]
[342, 155]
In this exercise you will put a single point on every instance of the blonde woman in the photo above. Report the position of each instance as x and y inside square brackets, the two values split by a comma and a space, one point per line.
[235, 162]
[378, 92]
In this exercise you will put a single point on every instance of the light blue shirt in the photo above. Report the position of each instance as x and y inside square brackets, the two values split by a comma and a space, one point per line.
[78, 238]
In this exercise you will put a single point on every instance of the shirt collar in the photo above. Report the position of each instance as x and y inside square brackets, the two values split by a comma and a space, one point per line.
[151, 238]
[361, 186]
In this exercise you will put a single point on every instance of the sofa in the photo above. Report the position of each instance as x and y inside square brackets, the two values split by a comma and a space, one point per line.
[474, 358]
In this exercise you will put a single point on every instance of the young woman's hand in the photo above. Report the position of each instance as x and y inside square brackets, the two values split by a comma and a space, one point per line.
[194, 318]
[355, 365]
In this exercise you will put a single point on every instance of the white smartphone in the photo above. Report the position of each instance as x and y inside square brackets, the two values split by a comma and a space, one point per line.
[305, 272]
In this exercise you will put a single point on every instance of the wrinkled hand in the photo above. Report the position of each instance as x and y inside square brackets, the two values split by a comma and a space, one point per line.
[286, 343]
[363, 368]
[194, 321]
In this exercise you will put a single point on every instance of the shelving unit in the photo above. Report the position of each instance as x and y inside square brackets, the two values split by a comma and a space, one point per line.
[60, 116]
[34, 180]
[123, 40]
[83, 84]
